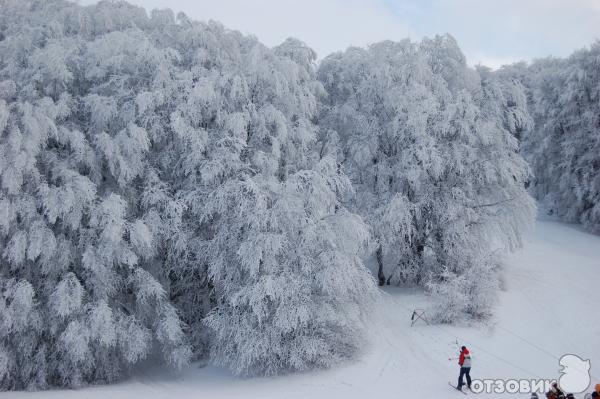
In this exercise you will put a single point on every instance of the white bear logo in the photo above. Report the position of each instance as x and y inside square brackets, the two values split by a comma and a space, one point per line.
[574, 374]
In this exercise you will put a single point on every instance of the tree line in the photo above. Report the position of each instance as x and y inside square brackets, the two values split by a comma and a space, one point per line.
[173, 188]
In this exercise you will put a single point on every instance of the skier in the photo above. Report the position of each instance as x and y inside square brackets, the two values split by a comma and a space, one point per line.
[464, 360]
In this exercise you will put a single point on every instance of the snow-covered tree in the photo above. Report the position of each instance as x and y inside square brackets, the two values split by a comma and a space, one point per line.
[81, 297]
[291, 284]
[436, 168]
[513, 105]
[563, 144]
[281, 251]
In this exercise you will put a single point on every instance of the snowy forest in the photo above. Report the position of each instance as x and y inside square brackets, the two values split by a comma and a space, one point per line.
[172, 189]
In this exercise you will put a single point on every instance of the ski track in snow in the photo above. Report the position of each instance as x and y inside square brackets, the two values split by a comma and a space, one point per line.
[550, 307]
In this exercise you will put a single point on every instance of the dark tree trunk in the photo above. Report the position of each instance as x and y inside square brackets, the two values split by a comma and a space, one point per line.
[380, 275]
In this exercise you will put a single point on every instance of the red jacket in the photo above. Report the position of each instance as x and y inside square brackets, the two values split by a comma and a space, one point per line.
[464, 354]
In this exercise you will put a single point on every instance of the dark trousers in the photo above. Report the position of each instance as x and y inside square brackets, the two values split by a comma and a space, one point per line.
[464, 371]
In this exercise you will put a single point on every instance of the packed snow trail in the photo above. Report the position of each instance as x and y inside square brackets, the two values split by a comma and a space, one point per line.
[549, 307]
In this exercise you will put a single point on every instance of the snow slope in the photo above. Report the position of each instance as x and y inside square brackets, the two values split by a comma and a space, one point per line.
[548, 309]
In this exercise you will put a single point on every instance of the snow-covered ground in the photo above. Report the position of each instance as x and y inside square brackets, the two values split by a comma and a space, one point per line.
[550, 306]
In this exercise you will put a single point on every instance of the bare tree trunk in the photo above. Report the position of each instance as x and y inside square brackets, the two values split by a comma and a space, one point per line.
[380, 275]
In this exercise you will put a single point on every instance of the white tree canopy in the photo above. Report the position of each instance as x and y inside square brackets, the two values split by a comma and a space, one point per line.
[162, 187]
[438, 174]
[563, 142]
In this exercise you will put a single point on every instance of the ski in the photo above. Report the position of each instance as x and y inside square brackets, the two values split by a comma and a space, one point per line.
[459, 390]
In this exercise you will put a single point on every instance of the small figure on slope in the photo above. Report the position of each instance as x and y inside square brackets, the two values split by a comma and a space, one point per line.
[464, 360]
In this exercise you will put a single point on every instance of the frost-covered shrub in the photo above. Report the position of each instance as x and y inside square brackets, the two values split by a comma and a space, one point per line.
[472, 294]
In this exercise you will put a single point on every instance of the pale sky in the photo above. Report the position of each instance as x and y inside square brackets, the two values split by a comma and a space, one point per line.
[491, 32]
